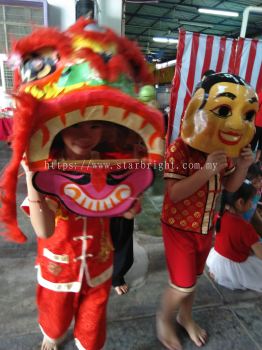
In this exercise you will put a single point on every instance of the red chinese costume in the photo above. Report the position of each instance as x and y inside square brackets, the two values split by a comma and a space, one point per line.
[220, 116]
[86, 73]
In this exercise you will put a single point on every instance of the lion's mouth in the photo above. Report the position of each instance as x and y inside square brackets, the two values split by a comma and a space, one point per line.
[90, 106]
[84, 200]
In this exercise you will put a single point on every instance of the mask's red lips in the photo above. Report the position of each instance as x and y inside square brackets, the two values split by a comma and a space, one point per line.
[229, 137]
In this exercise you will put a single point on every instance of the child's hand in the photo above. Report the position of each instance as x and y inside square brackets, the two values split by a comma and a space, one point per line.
[216, 162]
[246, 158]
[133, 211]
[24, 165]
[130, 214]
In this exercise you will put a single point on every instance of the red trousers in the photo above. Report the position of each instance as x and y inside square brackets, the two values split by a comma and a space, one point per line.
[186, 254]
[88, 308]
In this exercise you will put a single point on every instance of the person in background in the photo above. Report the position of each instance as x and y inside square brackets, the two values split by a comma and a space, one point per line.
[252, 215]
[126, 144]
[122, 237]
[235, 261]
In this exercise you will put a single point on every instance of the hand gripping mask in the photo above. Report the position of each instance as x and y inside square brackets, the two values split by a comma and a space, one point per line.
[220, 115]
[82, 83]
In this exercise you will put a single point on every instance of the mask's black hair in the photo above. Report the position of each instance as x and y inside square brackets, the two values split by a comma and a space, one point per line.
[207, 73]
[246, 191]
[209, 80]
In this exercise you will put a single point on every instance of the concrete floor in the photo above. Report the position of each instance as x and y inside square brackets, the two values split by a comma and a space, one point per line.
[233, 319]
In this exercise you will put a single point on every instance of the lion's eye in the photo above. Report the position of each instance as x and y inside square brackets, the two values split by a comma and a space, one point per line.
[37, 67]
[223, 111]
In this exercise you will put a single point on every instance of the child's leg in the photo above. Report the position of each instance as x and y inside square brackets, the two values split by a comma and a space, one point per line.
[90, 318]
[184, 318]
[55, 313]
[171, 301]
[186, 255]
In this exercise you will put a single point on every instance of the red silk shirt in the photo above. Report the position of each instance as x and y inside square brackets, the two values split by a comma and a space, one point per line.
[79, 248]
[196, 212]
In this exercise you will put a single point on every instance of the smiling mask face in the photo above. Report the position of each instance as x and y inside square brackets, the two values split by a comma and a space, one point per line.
[220, 115]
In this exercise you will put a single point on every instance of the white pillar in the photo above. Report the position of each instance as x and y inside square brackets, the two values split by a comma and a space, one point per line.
[61, 14]
[109, 14]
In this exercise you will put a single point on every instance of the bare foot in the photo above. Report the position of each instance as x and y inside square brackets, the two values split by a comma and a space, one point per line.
[166, 334]
[47, 345]
[197, 334]
[123, 289]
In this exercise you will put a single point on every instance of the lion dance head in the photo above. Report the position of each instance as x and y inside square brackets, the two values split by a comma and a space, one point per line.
[86, 74]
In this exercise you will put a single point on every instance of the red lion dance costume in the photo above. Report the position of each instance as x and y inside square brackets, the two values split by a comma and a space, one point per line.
[86, 73]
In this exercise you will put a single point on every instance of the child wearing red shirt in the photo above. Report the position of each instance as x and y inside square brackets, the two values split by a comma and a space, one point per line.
[235, 261]
[216, 126]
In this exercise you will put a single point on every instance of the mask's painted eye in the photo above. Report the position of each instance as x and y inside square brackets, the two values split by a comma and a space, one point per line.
[79, 178]
[222, 111]
[250, 115]
[116, 177]
[37, 67]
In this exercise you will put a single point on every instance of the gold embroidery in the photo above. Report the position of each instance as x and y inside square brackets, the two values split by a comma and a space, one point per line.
[195, 224]
[54, 268]
[60, 216]
[106, 246]
[173, 210]
[185, 212]
[187, 202]
[197, 214]
[171, 221]
[173, 149]
[200, 194]
[183, 222]
[199, 204]
[184, 290]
